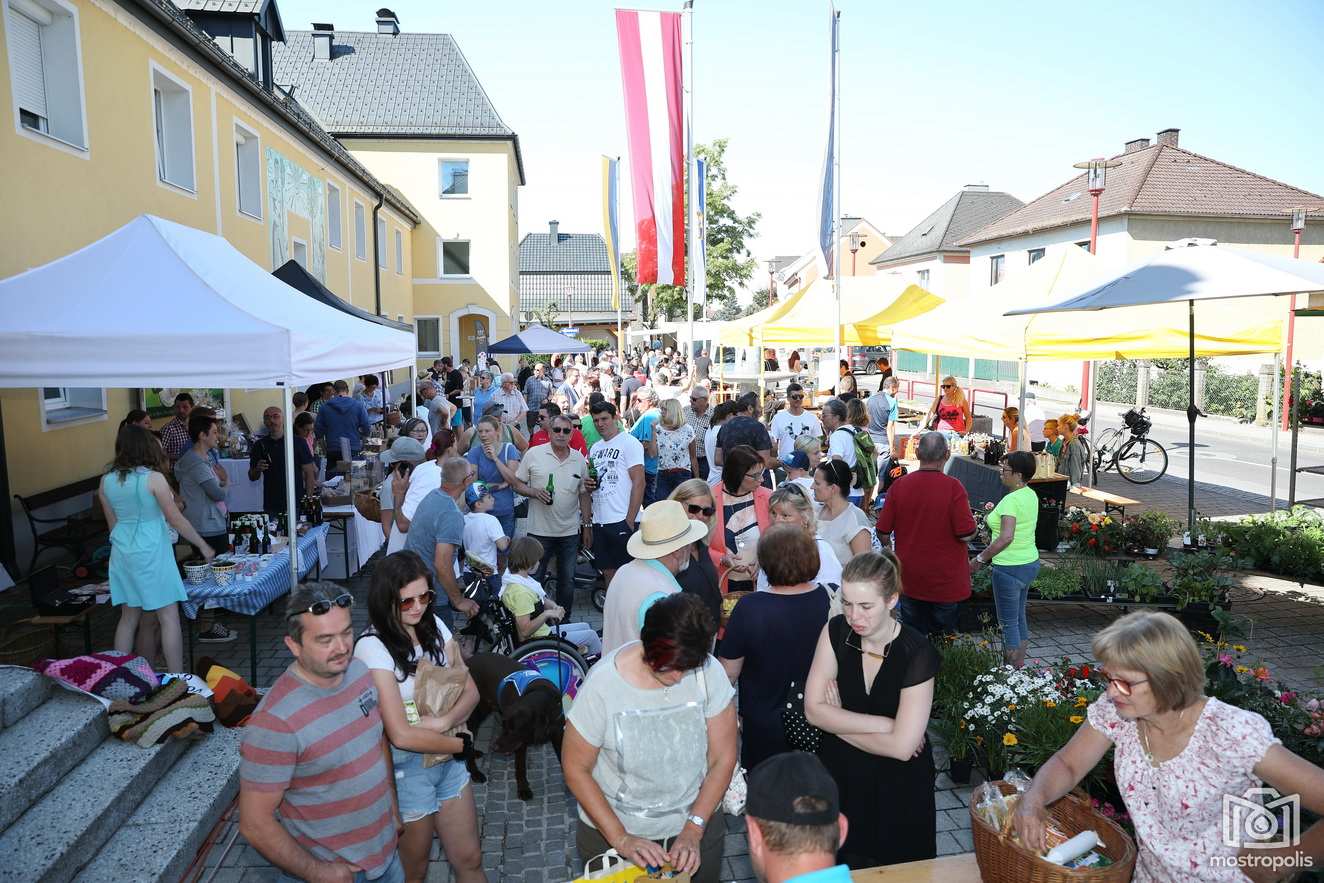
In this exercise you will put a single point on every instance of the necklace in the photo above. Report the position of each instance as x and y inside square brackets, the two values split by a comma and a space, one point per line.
[1144, 739]
[887, 647]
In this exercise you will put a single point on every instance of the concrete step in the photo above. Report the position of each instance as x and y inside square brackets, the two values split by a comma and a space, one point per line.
[38, 750]
[72, 821]
[160, 840]
[21, 691]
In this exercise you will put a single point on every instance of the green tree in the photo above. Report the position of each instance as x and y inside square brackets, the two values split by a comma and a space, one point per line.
[730, 264]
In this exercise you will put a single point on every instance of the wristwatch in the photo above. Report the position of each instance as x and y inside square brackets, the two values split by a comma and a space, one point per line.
[696, 820]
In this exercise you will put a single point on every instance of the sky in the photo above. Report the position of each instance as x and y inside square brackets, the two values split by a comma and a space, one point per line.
[934, 96]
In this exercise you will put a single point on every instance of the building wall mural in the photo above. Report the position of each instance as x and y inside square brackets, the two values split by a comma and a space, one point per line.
[291, 188]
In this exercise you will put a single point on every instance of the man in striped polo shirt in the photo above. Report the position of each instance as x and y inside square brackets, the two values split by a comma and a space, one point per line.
[316, 787]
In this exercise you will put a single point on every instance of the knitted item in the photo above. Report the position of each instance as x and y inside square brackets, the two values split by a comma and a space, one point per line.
[171, 692]
[158, 726]
[109, 674]
[233, 698]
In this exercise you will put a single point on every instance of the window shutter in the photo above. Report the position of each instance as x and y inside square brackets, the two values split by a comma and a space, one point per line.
[30, 79]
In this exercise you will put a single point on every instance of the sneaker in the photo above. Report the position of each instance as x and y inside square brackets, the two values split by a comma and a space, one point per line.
[216, 634]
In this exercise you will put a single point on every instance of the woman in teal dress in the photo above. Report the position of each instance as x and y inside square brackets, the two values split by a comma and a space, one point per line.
[140, 509]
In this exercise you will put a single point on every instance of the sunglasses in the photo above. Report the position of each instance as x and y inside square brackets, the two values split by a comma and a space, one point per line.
[425, 599]
[797, 397]
[705, 511]
[562, 430]
[323, 606]
[1123, 687]
[946, 386]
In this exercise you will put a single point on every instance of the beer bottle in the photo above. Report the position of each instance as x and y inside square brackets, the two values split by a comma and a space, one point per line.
[551, 485]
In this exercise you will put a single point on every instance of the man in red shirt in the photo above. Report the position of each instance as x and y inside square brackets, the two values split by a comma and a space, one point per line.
[930, 514]
[546, 411]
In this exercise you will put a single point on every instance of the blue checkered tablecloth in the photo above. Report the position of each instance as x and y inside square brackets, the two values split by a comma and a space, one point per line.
[250, 596]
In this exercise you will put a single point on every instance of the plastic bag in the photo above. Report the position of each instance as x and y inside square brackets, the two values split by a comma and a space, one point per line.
[1018, 779]
[991, 806]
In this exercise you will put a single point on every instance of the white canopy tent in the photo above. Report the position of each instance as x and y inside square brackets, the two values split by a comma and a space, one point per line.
[157, 303]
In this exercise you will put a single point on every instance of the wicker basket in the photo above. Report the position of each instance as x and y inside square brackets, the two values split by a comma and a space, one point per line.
[1003, 860]
[729, 602]
[23, 644]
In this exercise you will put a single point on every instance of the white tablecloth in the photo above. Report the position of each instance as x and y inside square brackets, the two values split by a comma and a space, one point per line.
[365, 537]
[241, 494]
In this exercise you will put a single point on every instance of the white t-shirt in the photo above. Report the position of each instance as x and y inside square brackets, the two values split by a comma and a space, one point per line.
[841, 445]
[710, 452]
[787, 427]
[482, 530]
[612, 460]
[633, 584]
[840, 531]
[370, 650]
[425, 479]
[829, 568]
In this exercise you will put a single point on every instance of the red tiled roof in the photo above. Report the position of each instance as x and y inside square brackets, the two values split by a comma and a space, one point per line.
[1157, 180]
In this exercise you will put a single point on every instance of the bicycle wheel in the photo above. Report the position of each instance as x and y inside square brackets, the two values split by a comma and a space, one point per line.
[1101, 451]
[1142, 460]
[559, 661]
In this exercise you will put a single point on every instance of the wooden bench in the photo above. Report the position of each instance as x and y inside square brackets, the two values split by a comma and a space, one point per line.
[1111, 502]
[70, 534]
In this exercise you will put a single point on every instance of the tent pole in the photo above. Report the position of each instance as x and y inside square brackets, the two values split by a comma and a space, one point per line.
[1191, 413]
[763, 364]
[1022, 425]
[291, 504]
[1274, 420]
[1293, 419]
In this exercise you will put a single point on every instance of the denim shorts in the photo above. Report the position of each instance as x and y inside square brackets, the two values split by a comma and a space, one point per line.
[394, 873]
[422, 791]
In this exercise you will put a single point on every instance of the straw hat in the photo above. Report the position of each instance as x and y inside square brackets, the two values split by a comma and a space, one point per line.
[663, 528]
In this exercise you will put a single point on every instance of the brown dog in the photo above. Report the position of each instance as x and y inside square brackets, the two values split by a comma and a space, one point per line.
[530, 716]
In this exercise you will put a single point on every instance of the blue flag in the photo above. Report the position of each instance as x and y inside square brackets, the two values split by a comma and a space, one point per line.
[826, 206]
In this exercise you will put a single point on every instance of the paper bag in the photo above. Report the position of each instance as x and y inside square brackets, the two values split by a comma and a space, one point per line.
[436, 690]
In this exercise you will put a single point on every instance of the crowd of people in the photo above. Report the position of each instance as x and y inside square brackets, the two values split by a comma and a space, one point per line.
[819, 681]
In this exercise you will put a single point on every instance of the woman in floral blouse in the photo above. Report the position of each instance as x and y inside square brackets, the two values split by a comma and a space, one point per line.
[1180, 756]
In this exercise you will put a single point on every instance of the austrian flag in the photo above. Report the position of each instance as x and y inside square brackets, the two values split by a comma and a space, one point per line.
[650, 44]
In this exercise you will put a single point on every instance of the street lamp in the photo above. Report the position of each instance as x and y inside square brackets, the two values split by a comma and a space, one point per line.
[856, 242]
[1096, 178]
[772, 280]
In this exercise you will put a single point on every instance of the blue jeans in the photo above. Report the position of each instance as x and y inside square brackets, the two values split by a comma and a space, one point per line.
[930, 617]
[650, 489]
[507, 524]
[394, 873]
[566, 552]
[1011, 584]
[670, 479]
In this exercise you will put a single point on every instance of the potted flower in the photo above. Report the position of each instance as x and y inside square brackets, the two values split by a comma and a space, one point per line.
[1096, 534]
[1150, 532]
[964, 658]
[1200, 582]
[993, 708]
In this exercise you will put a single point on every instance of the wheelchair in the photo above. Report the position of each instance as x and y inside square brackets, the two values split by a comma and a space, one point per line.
[558, 659]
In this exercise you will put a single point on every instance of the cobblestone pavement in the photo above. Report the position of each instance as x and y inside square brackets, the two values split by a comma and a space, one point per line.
[532, 842]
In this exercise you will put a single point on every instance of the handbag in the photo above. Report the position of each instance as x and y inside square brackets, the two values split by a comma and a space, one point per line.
[368, 505]
[801, 735]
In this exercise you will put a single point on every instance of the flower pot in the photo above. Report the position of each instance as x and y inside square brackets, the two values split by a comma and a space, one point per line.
[1200, 616]
[1150, 553]
[960, 770]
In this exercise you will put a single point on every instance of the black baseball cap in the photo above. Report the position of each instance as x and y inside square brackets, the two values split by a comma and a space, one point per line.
[779, 782]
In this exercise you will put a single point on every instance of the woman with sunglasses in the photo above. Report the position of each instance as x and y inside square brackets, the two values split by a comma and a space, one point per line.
[650, 745]
[1179, 756]
[769, 640]
[402, 631]
[790, 505]
[700, 578]
[740, 503]
[951, 410]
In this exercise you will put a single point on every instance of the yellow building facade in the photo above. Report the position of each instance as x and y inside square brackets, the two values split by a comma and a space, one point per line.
[128, 109]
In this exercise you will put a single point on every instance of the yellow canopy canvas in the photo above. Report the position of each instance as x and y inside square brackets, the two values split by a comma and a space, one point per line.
[870, 306]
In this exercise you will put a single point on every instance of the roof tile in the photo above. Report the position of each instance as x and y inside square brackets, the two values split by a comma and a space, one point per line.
[955, 219]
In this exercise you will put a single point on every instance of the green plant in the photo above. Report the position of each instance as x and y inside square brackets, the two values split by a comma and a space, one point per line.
[1201, 577]
[1099, 577]
[1058, 580]
[1288, 543]
[1150, 530]
[1140, 583]
[964, 658]
[1091, 533]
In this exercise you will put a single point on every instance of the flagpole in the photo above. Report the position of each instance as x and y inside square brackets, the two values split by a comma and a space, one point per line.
[687, 73]
[836, 181]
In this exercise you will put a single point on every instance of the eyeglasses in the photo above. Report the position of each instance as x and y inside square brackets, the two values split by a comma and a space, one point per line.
[1123, 687]
[755, 476]
[562, 430]
[705, 511]
[322, 606]
[425, 599]
[796, 397]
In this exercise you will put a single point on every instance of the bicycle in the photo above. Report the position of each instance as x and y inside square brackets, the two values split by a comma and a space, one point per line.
[1136, 457]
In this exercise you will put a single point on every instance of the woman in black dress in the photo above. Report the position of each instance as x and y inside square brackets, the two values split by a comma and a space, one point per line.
[870, 690]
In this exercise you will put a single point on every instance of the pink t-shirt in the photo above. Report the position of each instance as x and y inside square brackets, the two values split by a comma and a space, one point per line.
[1177, 807]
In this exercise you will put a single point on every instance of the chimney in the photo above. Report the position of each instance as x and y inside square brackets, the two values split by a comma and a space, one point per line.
[388, 22]
[323, 34]
[975, 188]
[554, 231]
[1168, 137]
[1136, 144]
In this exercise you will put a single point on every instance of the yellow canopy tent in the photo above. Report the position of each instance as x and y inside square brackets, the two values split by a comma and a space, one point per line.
[744, 331]
[870, 306]
[977, 327]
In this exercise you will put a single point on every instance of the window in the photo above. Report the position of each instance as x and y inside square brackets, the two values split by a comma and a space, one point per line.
[299, 251]
[1084, 243]
[380, 245]
[922, 278]
[360, 232]
[45, 68]
[333, 215]
[454, 177]
[62, 405]
[399, 253]
[172, 113]
[455, 257]
[248, 170]
[995, 268]
[1034, 254]
[429, 335]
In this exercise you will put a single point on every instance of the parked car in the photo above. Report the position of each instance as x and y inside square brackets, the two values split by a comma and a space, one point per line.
[864, 359]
